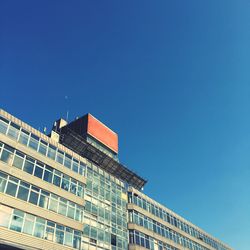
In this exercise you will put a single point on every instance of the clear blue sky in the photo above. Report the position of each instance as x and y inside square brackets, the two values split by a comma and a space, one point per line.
[172, 78]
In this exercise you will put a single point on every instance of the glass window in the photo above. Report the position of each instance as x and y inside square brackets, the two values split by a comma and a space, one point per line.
[28, 224]
[7, 154]
[24, 137]
[44, 199]
[65, 183]
[48, 174]
[59, 156]
[51, 152]
[71, 212]
[67, 161]
[75, 165]
[69, 238]
[39, 228]
[16, 223]
[38, 171]
[18, 160]
[57, 179]
[33, 197]
[13, 130]
[28, 165]
[3, 180]
[59, 236]
[53, 204]
[49, 234]
[62, 206]
[3, 125]
[42, 147]
[11, 188]
[33, 143]
[23, 191]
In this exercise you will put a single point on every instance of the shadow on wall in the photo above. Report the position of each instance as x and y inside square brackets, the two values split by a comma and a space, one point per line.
[5, 247]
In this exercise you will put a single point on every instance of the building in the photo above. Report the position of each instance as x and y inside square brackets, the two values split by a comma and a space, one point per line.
[68, 190]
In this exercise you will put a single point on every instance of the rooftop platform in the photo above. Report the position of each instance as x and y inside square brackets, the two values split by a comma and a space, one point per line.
[78, 144]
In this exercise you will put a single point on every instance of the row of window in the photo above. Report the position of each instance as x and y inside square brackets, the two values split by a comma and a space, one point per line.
[101, 234]
[36, 196]
[144, 221]
[28, 139]
[34, 167]
[164, 215]
[19, 221]
[148, 242]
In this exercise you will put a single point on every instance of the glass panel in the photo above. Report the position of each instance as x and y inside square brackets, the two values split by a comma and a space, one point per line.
[51, 152]
[49, 235]
[16, 223]
[33, 143]
[68, 239]
[42, 147]
[3, 127]
[13, 131]
[24, 137]
[3, 178]
[23, 193]
[59, 236]
[28, 165]
[28, 224]
[7, 155]
[53, 204]
[39, 228]
[48, 174]
[11, 189]
[44, 201]
[62, 207]
[18, 160]
[65, 183]
[33, 198]
[38, 172]
[59, 156]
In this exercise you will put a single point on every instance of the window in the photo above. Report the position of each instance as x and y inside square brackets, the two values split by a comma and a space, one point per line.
[18, 160]
[3, 125]
[42, 147]
[13, 131]
[28, 224]
[17, 221]
[24, 137]
[11, 188]
[29, 165]
[39, 227]
[7, 154]
[23, 191]
[33, 196]
[33, 143]
[38, 170]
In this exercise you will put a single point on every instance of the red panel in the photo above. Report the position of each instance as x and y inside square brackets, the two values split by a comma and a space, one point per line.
[102, 133]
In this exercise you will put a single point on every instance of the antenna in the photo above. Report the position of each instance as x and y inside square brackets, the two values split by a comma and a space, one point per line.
[67, 113]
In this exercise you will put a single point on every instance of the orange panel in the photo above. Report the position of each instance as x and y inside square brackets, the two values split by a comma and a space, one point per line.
[102, 133]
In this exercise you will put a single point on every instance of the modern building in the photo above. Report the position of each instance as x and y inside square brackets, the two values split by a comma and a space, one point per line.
[68, 190]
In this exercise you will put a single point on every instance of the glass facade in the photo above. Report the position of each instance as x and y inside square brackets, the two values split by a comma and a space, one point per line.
[105, 210]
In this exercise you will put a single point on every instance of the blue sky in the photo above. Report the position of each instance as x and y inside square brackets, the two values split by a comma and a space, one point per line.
[170, 77]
